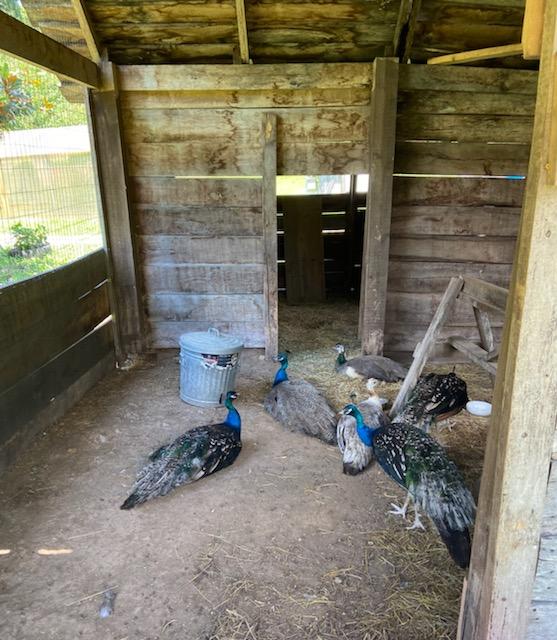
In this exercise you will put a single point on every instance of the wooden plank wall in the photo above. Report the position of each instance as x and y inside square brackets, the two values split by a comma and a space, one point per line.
[193, 136]
[54, 329]
[457, 128]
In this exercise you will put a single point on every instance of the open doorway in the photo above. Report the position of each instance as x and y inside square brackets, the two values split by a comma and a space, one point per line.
[320, 227]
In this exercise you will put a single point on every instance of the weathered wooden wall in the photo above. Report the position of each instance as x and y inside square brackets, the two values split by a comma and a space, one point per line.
[52, 346]
[193, 136]
[456, 129]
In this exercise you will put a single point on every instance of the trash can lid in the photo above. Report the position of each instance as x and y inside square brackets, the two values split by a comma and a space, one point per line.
[211, 341]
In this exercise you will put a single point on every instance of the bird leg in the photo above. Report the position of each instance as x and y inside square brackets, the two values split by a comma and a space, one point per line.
[417, 524]
[400, 511]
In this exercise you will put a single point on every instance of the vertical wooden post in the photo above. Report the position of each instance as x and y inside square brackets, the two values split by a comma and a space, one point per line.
[375, 258]
[125, 291]
[269, 200]
[517, 458]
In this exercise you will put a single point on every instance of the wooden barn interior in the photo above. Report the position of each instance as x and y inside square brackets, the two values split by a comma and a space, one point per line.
[440, 118]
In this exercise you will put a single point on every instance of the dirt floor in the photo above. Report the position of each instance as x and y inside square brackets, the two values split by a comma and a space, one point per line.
[280, 545]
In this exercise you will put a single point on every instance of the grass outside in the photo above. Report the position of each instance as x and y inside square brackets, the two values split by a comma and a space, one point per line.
[16, 269]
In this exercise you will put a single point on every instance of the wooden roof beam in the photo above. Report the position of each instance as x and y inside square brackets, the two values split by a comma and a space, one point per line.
[478, 54]
[89, 35]
[242, 31]
[30, 45]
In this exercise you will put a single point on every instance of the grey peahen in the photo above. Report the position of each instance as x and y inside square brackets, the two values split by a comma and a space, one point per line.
[299, 406]
[356, 455]
[375, 368]
[192, 456]
[420, 465]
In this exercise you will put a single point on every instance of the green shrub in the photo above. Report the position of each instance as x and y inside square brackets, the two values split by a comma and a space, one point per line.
[28, 238]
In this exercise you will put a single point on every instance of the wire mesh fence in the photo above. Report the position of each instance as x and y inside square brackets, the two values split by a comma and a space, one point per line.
[49, 214]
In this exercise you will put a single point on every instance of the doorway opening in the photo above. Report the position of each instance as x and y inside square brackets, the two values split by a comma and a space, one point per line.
[320, 226]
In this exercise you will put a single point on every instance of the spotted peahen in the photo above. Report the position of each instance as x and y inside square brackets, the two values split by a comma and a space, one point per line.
[435, 397]
[420, 465]
[299, 406]
[192, 456]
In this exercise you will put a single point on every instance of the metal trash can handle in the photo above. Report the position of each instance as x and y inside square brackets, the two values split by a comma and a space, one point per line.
[213, 331]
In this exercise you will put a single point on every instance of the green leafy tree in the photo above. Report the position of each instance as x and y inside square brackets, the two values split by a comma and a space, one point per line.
[31, 98]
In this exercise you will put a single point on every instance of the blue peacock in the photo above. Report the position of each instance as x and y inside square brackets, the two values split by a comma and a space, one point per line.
[420, 465]
[299, 406]
[192, 456]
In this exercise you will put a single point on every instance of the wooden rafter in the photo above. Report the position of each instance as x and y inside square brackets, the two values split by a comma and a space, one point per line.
[30, 45]
[476, 55]
[89, 35]
[532, 29]
[408, 41]
[242, 31]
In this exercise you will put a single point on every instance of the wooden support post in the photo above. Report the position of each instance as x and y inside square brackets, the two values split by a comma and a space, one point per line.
[375, 258]
[109, 150]
[303, 249]
[350, 218]
[30, 45]
[269, 200]
[242, 31]
[517, 458]
[425, 347]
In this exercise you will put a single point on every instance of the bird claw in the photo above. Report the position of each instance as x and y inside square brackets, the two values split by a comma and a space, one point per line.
[417, 524]
[398, 511]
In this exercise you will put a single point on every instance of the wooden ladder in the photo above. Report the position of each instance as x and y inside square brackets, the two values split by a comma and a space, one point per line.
[485, 298]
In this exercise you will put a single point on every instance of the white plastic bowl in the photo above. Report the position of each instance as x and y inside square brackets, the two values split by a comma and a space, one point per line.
[478, 408]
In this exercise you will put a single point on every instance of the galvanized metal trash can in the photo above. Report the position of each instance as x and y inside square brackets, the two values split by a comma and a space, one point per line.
[209, 361]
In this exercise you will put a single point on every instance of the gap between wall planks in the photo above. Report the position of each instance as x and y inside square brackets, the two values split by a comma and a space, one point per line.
[375, 257]
[269, 207]
[517, 458]
[125, 296]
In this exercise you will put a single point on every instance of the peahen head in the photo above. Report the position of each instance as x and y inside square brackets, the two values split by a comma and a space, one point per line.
[281, 375]
[341, 357]
[233, 419]
[364, 432]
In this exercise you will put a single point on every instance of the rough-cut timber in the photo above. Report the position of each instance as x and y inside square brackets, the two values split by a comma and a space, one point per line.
[520, 439]
[375, 258]
[109, 152]
[28, 44]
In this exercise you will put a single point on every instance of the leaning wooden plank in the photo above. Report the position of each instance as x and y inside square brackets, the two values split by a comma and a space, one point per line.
[477, 55]
[375, 258]
[418, 77]
[87, 30]
[30, 45]
[520, 437]
[426, 345]
[486, 293]
[532, 28]
[269, 209]
[200, 77]
[111, 164]
[486, 332]
[242, 31]
[473, 352]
